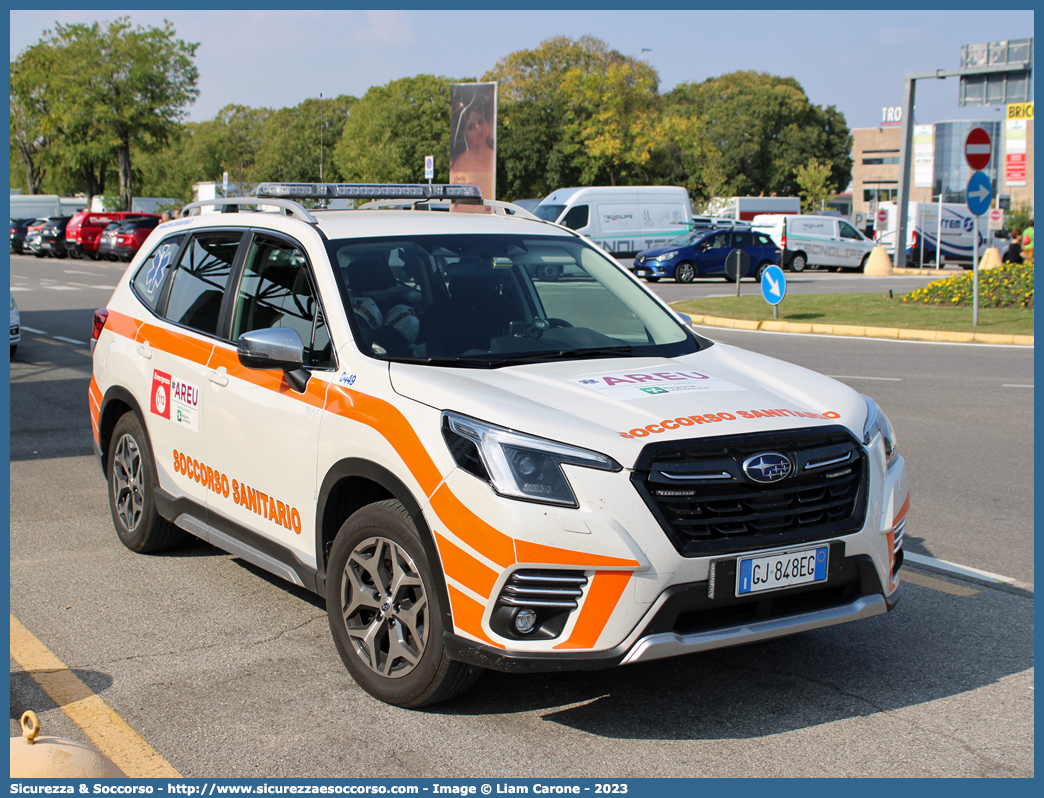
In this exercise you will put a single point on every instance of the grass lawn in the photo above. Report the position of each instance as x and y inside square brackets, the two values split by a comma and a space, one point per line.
[871, 310]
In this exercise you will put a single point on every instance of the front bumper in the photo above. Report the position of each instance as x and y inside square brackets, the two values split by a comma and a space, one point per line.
[685, 620]
[650, 268]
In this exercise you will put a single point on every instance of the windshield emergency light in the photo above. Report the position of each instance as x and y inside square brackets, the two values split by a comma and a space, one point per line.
[421, 192]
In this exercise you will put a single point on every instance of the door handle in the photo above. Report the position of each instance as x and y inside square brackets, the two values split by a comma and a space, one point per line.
[219, 377]
[145, 350]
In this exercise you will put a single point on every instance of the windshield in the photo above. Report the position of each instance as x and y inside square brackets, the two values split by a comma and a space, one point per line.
[549, 213]
[494, 300]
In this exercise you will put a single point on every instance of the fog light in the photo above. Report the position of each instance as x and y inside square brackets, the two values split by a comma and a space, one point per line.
[525, 621]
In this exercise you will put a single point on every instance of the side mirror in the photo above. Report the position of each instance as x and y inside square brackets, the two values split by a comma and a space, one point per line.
[275, 348]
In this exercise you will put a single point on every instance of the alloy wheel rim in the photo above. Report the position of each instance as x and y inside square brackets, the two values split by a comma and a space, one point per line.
[384, 607]
[685, 273]
[128, 482]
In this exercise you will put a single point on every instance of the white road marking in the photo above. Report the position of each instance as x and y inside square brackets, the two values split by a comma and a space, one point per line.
[85, 285]
[1010, 385]
[20, 288]
[60, 287]
[30, 329]
[881, 379]
[962, 570]
[68, 340]
[85, 274]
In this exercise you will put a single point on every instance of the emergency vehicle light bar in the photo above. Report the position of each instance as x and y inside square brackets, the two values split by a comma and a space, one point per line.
[420, 192]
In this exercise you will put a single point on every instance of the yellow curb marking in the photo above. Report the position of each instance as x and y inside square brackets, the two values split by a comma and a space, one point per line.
[105, 729]
[941, 585]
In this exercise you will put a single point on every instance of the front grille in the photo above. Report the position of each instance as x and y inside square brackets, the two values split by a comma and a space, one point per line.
[707, 504]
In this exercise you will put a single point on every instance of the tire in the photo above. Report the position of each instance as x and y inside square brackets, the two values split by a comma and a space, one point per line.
[863, 262]
[14, 348]
[651, 279]
[684, 272]
[762, 268]
[368, 623]
[132, 491]
[798, 262]
[549, 272]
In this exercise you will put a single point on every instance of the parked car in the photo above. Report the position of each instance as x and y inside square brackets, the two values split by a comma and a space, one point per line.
[107, 241]
[52, 237]
[32, 238]
[81, 235]
[18, 231]
[702, 253]
[131, 234]
[16, 327]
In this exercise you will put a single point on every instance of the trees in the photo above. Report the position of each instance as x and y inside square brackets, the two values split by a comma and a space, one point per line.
[392, 128]
[551, 97]
[763, 128]
[100, 88]
[290, 141]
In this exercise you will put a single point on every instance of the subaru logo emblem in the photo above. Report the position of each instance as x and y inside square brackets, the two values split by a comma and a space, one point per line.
[767, 467]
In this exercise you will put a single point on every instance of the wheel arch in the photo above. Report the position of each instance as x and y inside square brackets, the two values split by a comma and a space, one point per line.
[353, 483]
[115, 404]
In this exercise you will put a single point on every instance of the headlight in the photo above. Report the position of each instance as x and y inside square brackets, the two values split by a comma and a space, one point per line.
[516, 465]
[877, 423]
[666, 256]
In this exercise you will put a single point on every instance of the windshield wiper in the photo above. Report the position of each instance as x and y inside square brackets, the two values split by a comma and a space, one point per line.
[558, 354]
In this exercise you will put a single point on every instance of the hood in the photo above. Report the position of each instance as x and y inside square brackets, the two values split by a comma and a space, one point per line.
[646, 254]
[617, 405]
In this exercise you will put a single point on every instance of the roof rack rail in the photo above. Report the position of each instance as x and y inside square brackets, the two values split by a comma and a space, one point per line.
[467, 194]
[232, 205]
[497, 206]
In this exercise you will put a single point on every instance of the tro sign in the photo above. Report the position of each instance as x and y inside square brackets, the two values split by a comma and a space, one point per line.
[978, 148]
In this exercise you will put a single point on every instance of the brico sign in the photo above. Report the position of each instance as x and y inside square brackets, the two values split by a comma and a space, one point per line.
[892, 115]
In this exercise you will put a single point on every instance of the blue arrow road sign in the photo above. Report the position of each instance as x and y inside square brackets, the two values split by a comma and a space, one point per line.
[773, 285]
[979, 193]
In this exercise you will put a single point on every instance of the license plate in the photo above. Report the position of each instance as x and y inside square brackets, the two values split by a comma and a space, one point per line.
[641, 272]
[781, 569]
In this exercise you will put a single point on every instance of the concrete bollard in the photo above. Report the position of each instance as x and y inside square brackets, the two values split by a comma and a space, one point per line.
[878, 263]
[34, 757]
[991, 259]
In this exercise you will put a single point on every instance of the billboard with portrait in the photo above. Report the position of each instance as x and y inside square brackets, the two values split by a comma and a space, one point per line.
[473, 130]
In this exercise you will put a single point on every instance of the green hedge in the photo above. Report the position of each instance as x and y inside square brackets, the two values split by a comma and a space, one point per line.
[1007, 286]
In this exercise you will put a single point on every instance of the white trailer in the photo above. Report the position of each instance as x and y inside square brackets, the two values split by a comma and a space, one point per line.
[25, 206]
[746, 208]
[926, 227]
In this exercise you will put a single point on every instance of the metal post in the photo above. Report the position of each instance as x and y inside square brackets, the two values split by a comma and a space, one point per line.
[320, 137]
[938, 235]
[975, 276]
[905, 167]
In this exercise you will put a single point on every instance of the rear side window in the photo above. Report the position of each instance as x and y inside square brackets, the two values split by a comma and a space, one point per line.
[763, 239]
[200, 280]
[148, 282]
[742, 239]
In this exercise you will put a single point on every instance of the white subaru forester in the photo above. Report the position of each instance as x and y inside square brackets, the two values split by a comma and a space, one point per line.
[476, 467]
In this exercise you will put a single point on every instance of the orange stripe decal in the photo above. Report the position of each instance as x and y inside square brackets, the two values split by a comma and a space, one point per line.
[602, 598]
[467, 616]
[462, 567]
[537, 553]
[899, 516]
[467, 526]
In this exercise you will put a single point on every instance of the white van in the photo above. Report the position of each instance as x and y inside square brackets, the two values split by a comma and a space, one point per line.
[815, 241]
[620, 219]
[924, 228]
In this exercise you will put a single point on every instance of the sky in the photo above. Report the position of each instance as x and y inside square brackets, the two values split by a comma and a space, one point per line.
[853, 60]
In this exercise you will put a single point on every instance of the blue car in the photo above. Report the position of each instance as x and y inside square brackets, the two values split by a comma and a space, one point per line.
[702, 253]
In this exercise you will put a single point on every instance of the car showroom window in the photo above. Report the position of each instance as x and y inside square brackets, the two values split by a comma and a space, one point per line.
[276, 291]
[148, 282]
[200, 280]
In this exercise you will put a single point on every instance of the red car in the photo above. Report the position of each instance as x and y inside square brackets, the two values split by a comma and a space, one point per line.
[131, 235]
[83, 230]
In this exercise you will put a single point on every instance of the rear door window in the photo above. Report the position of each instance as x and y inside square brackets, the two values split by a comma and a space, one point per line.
[200, 280]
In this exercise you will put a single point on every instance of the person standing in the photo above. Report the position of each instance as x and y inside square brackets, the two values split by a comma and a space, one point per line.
[1013, 254]
[1027, 242]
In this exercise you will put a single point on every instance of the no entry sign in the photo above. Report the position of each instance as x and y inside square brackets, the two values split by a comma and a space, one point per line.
[978, 148]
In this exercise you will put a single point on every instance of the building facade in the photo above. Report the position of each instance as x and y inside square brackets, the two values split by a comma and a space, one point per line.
[939, 165]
